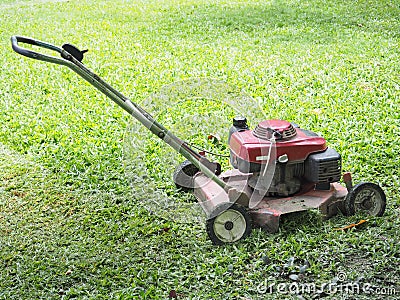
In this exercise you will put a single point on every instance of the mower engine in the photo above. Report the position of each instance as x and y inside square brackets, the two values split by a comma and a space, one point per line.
[297, 156]
[278, 169]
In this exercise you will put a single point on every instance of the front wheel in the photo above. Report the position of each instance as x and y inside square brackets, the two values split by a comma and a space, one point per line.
[231, 225]
[367, 198]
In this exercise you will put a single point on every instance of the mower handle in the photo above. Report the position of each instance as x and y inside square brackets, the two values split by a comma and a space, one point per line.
[74, 62]
[65, 60]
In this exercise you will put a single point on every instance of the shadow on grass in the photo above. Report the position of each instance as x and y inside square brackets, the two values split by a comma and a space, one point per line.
[303, 23]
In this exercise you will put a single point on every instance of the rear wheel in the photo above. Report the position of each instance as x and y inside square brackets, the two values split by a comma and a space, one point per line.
[229, 226]
[367, 198]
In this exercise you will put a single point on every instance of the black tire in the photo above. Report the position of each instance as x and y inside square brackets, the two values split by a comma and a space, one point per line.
[367, 198]
[232, 224]
[184, 176]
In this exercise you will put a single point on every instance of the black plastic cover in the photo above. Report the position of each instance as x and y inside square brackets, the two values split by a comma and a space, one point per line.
[323, 167]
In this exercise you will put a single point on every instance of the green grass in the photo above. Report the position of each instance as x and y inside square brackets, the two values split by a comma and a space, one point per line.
[72, 224]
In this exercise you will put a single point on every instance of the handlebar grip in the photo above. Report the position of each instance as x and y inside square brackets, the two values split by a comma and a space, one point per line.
[19, 39]
[15, 40]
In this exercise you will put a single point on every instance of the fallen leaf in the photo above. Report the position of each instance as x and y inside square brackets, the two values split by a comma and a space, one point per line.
[172, 295]
[352, 225]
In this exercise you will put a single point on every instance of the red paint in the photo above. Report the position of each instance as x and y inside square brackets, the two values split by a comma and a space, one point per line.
[347, 177]
[248, 147]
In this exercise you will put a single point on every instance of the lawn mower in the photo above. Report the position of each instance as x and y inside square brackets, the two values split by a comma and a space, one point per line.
[277, 168]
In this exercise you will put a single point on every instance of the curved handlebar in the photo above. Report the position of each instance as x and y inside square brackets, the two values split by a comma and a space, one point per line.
[73, 62]
[66, 58]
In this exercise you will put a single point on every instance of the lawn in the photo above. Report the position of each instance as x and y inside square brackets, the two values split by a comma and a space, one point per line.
[88, 209]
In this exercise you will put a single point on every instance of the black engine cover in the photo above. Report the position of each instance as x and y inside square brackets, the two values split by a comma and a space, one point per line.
[323, 167]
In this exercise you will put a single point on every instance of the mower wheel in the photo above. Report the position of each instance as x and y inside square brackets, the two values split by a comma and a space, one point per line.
[229, 226]
[367, 198]
[183, 176]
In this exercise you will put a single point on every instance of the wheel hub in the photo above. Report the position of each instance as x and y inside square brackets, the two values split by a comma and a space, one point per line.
[367, 204]
[365, 200]
[229, 225]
